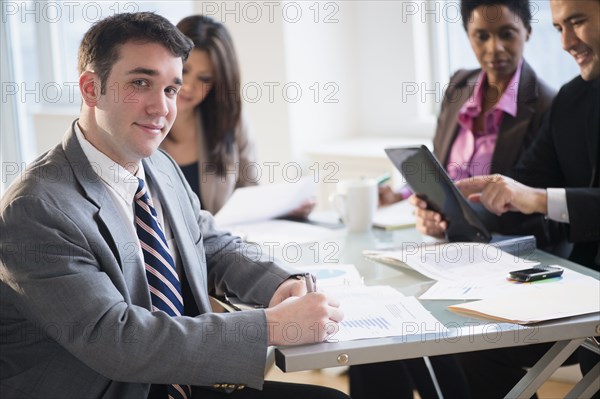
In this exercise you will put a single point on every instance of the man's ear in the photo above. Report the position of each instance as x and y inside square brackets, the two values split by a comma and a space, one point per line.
[89, 86]
[528, 35]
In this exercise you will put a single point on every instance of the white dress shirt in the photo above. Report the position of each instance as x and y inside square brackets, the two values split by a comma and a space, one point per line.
[557, 205]
[122, 186]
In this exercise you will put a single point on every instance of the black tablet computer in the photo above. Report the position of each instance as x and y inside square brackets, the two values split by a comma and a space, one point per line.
[428, 179]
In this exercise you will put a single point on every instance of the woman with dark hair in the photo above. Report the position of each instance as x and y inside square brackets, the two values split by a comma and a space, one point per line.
[209, 139]
[489, 116]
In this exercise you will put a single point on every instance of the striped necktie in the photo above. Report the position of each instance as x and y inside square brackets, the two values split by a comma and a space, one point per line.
[163, 281]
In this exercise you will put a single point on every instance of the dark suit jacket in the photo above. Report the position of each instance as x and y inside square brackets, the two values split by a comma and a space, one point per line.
[533, 100]
[565, 154]
[75, 317]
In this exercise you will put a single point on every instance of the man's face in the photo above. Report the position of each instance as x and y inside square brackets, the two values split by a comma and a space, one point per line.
[139, 106]
[579, 24]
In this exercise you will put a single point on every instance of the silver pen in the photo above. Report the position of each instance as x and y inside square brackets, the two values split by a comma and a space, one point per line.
[311, 282]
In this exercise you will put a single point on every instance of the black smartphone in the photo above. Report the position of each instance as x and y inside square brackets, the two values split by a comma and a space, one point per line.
[539, 272]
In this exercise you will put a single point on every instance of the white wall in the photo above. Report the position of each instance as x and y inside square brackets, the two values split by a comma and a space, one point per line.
[385, 59]
[355, 54]
[260, 47]
[321, 59]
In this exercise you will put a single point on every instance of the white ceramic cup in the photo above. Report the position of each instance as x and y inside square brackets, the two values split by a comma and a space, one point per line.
[356, 202]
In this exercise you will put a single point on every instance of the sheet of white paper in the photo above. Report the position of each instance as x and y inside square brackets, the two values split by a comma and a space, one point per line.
[539, 302]
[265, 201]
[283, 232]
[380, 311]
[393, 216]
[457, 261]
[496, 286]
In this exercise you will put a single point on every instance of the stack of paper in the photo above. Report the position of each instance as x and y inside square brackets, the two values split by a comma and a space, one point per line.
[381, 311]
[371, 311]
[534, 305]
[480, 271]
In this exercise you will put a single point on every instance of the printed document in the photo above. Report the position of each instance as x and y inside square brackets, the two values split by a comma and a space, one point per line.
[473, 289]
[369, 311]
[265, 201]
[380, 311]
[539, 303]
[454, 261]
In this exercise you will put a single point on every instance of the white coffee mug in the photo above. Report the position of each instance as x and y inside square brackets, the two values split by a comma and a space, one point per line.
[356, 202]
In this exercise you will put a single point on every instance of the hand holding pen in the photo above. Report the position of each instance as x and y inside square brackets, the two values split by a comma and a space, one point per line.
[316, 315]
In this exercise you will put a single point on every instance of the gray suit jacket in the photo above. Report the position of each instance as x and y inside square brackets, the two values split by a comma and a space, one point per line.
[75, 318]
[516, 134]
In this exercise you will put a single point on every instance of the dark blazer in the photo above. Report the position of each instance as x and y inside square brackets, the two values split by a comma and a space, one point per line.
[75, 317]
[566, 154]
[533, 100]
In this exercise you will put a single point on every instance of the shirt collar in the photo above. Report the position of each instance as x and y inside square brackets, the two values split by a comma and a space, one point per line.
[507, 103]
[114, 175]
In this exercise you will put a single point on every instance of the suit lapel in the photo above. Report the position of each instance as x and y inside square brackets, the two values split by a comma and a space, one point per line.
[465, 87]
[127, 246]
[194, 268]
[512, 133]
[451, 130]
[124, 245]
[510, 139]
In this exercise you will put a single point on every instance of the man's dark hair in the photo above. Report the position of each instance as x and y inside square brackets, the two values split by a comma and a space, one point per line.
[518, 7]
[99, 49]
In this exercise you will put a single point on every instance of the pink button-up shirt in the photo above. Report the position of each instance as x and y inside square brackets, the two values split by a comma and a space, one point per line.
[471, 153]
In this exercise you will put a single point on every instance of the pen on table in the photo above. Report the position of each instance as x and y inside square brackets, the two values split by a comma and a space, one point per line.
[311, 282]
[383, 179]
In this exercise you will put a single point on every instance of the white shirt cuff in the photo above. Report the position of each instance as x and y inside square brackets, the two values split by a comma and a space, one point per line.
[557, 205]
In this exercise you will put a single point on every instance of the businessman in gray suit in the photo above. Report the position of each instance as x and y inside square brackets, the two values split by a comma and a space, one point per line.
[78, 317]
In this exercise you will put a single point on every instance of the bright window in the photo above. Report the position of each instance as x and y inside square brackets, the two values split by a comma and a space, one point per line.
[44, 39]
[49, 33]
[543, 51]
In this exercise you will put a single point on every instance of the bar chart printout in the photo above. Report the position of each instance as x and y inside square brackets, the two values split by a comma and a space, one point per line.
[369, 323]
[380, 311]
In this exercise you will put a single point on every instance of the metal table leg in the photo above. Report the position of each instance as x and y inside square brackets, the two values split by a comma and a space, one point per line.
[544, 368]
[589, 385]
